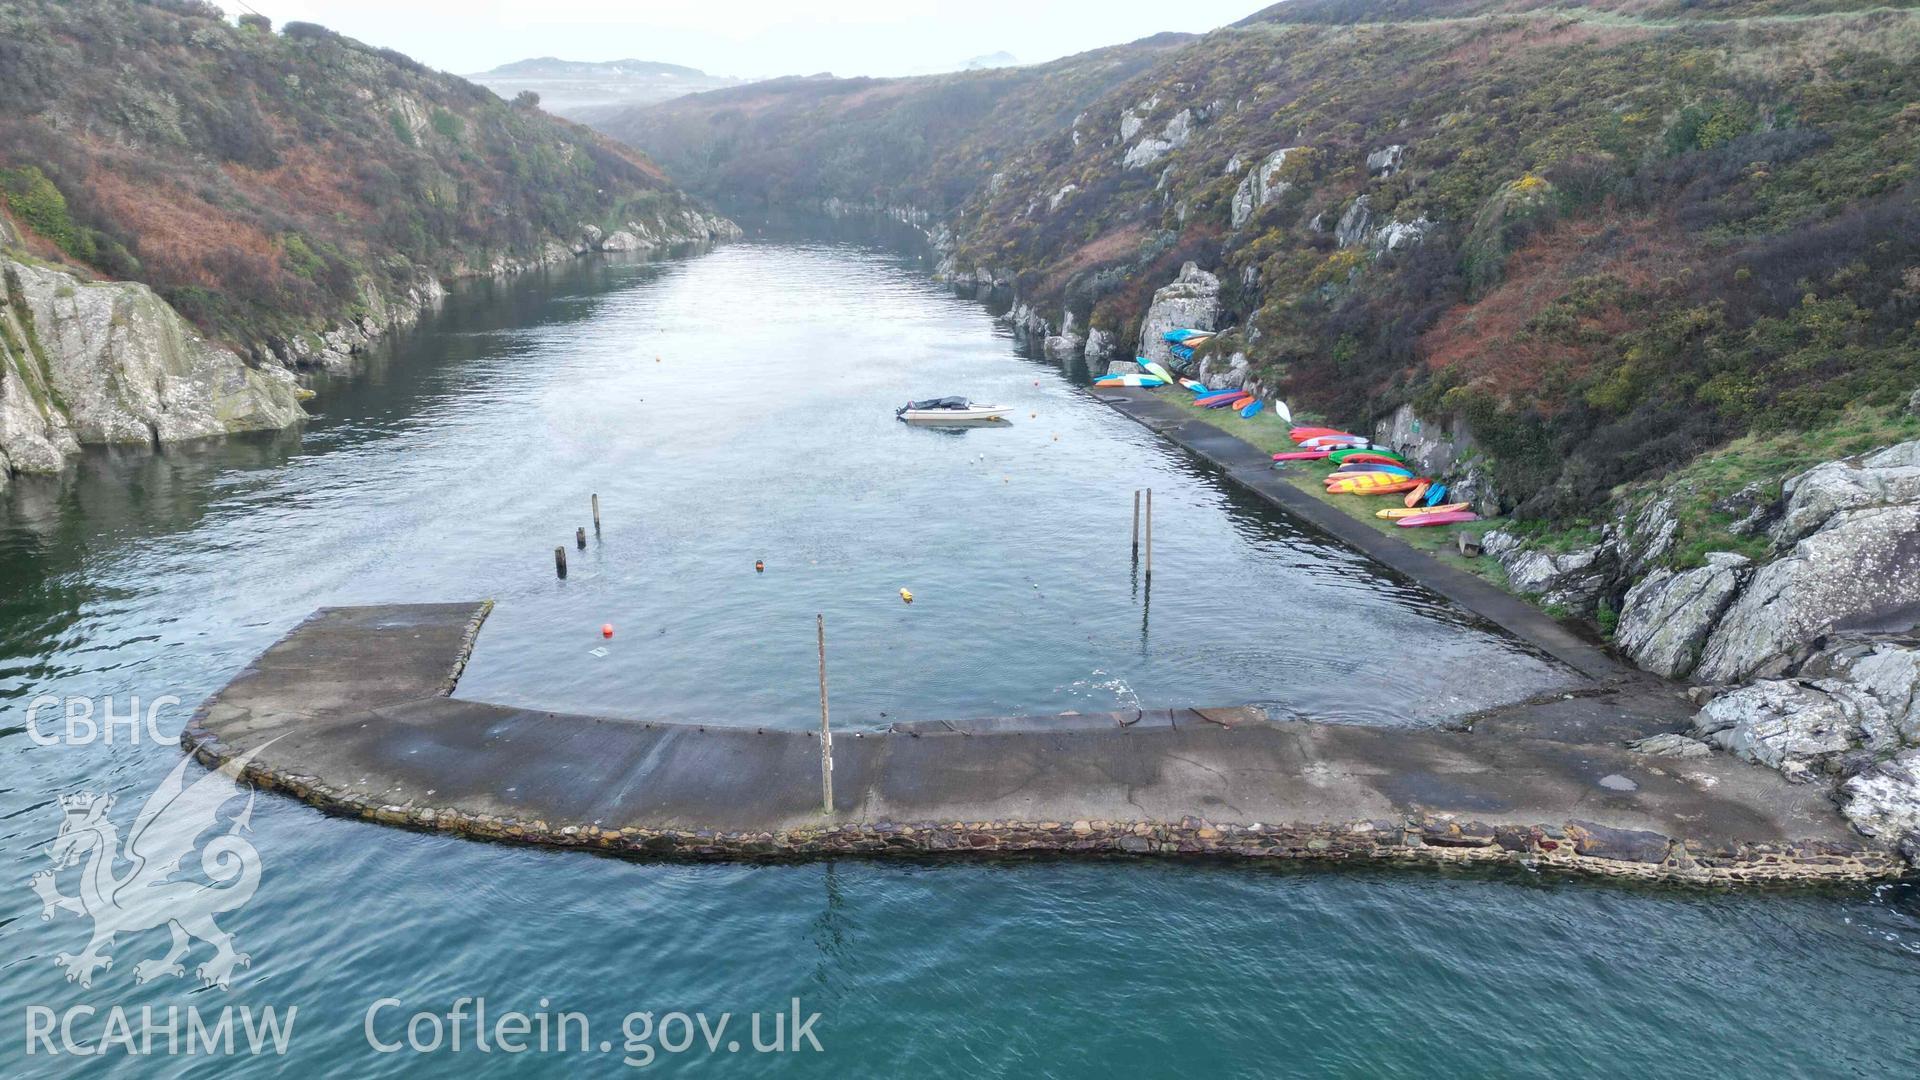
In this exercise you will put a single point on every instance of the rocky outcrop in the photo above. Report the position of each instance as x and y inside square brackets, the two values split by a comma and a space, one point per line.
[1811, 499]
[1386, 161]
[111, 363]
[1192, 300]
[1884, 802]
[1850, 705]
[1261, 186]
[687, 227]
[1857, 569]
[1151, 149]
[1435, 449]
[1666, 617]
[1574, 579]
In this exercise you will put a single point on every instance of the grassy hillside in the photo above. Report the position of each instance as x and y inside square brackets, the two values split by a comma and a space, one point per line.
[1611, 235]
[928, 142]
[273, 183]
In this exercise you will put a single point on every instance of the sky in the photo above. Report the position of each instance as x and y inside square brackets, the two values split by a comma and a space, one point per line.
[749, 38]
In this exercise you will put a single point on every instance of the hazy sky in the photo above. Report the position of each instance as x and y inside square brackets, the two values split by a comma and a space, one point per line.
[750, 38]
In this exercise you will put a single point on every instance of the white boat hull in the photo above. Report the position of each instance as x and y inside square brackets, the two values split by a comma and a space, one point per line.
[977, 412]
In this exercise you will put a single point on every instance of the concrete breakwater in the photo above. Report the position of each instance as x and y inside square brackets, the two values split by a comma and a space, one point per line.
[353, 712]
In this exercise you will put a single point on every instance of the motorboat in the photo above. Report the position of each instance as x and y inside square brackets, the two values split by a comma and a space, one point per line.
[949, 410]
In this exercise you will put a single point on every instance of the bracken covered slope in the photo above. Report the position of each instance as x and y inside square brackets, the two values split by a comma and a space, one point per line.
[1605, 236]
[273, 185]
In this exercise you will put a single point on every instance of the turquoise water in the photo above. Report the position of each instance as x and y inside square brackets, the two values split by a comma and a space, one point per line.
[763, 430]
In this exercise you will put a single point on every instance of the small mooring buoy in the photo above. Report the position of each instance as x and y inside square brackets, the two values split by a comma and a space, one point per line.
[907, 596]
[606, 630]
[759, 566]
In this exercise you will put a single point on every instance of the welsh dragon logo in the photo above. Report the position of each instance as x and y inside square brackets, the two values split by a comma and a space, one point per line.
[150, 892]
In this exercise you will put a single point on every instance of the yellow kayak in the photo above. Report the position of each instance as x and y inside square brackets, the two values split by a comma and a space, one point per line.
[1396, 512]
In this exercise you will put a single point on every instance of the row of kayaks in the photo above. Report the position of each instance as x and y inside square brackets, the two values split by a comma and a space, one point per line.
[1182, 341]
[1361, 467]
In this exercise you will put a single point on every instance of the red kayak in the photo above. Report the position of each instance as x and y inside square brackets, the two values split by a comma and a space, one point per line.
[1301, 434]
[1366, 457]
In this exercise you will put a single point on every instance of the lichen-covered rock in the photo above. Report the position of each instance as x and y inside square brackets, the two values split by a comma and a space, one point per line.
[1859, 568]
[1670, 744]
[1884, 801]
[1065, 345]
[1099, 347]
[1192, 300]
[1884, 478]
[1791, 726]
[1433, 448]
[1227, 372]
[1667, 616]
[1261, 186]
[110, 362]
[1385, 161]
[1574, 579]
[1355, 225]
[1151, 149]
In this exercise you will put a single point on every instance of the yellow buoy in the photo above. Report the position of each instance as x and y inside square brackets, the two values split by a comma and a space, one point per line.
[907, 596]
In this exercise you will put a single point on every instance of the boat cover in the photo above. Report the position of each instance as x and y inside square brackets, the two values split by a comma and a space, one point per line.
[934, 403]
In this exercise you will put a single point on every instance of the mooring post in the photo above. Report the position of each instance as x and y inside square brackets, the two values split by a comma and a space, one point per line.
[1149, 534]
[596, 513]
[826, 733]
[560, 560]
[1136, 521]
[580, 538]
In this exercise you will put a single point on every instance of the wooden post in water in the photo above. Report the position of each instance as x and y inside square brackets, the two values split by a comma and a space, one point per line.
[826, 733]
[596, 513]
[580, 538]
[1136, 521]
[560, 560]
[1149, 534]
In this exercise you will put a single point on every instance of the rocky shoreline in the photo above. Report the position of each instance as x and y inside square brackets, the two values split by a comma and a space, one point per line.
[110, 363]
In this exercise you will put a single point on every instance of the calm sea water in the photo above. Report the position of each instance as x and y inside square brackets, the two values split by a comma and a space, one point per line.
[737, 406]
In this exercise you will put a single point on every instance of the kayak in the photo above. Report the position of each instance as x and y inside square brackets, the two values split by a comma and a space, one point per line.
[1438, 493]
[1248, 412]
[1224, 402]
[1281, 410]
[1182, 333]
[1301, 433]
[1301, 455]
[1354, 487]
[1217, 393]
[1449, 517]
[1382, 457]
[1128, 380]
[1414, 496]
[1371, 478]
[1394, 513]
[1365, 470]
[1156, 370]
[1335, 442]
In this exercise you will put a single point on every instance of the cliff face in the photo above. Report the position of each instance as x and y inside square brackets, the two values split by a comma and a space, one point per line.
[109, 362]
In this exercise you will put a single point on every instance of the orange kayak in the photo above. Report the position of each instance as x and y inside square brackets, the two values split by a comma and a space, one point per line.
[1414, 496]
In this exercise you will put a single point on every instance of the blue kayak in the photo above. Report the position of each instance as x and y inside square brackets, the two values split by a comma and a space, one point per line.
[1247, 413]
[1436, 495]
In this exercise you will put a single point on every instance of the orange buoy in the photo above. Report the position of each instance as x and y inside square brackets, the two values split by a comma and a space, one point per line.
[606, 629]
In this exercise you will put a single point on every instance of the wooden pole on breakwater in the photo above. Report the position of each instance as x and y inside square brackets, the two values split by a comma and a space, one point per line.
[560, 560]
[596, 513]
[1136, 521]
[826, 733]
[1149, 534]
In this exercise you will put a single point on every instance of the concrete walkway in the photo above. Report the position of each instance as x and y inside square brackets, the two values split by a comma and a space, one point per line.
[353, 712]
